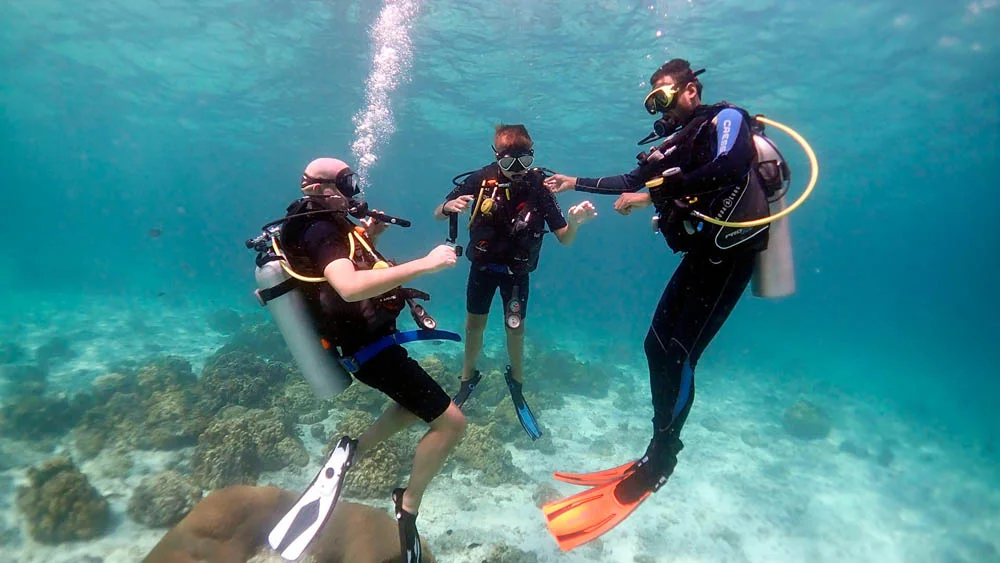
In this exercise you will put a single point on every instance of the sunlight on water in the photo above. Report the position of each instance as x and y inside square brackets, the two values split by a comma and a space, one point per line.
[390, 65]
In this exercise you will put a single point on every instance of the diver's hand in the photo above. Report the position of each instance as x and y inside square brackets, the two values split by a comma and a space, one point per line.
[374, 227]
[443, 256]
[627, 202]
[458, 205]
[558, 183]
[581, 213]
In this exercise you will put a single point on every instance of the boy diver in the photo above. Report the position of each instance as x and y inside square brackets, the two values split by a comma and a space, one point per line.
[510, 208]
[353, 298]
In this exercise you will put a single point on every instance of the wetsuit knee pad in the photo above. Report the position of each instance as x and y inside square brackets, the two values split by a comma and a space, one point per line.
[669, 354]
[671, 381]
[653, 347]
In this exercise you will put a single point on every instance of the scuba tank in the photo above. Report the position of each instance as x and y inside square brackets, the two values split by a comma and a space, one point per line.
[285, 302]
[774, 269]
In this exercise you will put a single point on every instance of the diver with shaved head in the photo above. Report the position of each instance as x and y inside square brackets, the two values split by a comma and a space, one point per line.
[351, 296]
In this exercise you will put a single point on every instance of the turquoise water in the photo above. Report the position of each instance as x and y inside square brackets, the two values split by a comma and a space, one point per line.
[196, 119]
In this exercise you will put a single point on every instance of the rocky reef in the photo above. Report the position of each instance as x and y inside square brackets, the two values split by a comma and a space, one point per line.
[481, 450]
[383, 468]
[59, 504]
[162, 405]
[153, 406]
[240, 416]
[163, 499]
[237, 376]
[241, 443]
[30, 411]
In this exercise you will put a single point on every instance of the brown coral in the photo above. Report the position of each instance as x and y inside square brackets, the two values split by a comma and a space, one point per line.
[362, 398]
[298, 399]
[163, 499]
[172, 420]
[238, 377]
[482, 451]
[235, 449]
[381, 469]
[164, 374]
[60, 505]
[230, 526]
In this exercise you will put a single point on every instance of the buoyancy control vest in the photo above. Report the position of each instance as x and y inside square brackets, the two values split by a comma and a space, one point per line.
[744, 200]
[344, 324]
[312, 318]
[507, 224]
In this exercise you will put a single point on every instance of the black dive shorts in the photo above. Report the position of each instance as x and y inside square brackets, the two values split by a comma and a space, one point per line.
[399, 376]
[483, 286]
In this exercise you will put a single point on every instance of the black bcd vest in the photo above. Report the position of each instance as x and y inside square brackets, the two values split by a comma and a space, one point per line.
[742, 201]
[342, 323]
[503, 230]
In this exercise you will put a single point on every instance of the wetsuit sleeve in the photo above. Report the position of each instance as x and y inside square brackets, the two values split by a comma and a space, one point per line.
[613, 185]
[550, 210]
[323, 243]
[734, 152]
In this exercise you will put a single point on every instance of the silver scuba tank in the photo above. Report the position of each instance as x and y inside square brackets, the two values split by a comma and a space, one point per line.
[319, 366]
[774, 268]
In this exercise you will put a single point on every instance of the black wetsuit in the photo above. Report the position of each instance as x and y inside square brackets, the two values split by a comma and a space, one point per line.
[351, 326]
[497, 268]
[712, 275]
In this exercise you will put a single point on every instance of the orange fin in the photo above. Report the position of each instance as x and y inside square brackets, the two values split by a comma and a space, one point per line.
[575, 520]
[597, 477]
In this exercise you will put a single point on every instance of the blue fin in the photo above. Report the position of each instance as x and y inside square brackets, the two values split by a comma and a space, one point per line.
[524, 414]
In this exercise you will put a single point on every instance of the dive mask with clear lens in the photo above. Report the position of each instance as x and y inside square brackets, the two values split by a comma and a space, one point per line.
[515, 161]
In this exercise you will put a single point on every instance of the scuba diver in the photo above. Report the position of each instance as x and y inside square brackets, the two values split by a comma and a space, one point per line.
[336, 300]
[510, 208]
[706, 165]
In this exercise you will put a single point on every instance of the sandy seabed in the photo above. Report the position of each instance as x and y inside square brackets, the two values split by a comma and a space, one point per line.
[744, 489]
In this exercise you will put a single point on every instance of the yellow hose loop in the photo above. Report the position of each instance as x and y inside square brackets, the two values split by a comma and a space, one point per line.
[475, 208]
[363, 242]
[379, 263]
[802, 198]
[288, 269]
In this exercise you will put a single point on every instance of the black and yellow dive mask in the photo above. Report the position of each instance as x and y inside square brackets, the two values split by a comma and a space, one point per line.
[661, 99]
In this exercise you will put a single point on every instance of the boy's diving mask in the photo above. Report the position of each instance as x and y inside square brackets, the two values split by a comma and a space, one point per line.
[346, 181]
[515, 160]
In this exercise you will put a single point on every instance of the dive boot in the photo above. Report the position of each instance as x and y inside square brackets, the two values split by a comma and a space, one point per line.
[468, 386]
